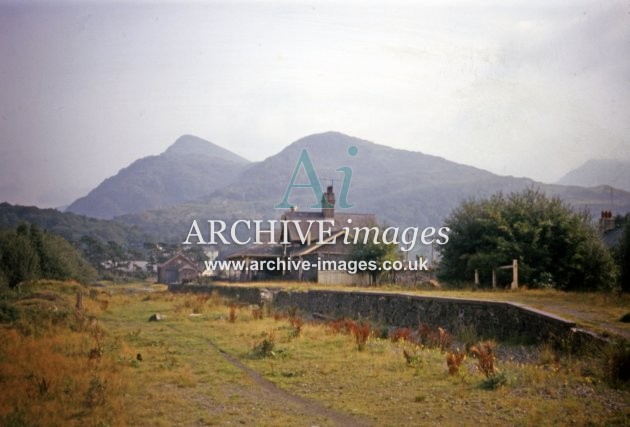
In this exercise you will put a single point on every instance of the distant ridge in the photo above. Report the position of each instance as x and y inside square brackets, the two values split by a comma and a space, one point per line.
[189, 168]
[596, 172]
[72, 226]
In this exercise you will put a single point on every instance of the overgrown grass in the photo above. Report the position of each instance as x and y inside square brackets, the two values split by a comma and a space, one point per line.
[170, 372]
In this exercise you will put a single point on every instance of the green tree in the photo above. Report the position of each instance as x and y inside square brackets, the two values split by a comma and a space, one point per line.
[622, 256]
[374, 252]
[27, 253]
[18, 258]
[554, 245]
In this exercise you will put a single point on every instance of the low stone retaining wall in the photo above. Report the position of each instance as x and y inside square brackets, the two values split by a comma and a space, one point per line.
[500, 320]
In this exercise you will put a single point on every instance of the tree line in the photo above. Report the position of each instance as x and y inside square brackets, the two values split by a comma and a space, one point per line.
[29, 253]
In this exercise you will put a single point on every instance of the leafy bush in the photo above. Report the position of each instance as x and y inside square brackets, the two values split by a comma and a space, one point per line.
[554, 245]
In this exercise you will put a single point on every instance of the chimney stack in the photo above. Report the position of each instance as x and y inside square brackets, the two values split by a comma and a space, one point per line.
[328, 203]
[606, 222]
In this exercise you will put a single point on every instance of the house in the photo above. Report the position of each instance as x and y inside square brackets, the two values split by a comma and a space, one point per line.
[610, 228]
[178, 269]
[302, 241]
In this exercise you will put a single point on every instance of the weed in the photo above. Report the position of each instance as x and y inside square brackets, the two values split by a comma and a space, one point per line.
[454, 360]
[547, 354]
[400, 334]
[493, 382]
[257, 313]
[433, 338]
[98, 334]
[444, 339]
[361, 333]
[335, 326]
[412, 358]
[484, 353]
[265, 347]
[232, 313]
[296, 323]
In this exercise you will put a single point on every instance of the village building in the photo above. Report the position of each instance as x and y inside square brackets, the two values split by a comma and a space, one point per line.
[610, 230]
[178, 269]
[303, 242]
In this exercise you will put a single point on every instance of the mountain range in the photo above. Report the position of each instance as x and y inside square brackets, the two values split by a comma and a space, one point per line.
[403, 188]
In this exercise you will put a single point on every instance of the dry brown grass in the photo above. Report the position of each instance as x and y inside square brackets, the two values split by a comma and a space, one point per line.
[53, 378]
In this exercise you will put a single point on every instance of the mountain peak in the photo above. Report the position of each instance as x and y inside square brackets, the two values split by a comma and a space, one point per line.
[189, 168]
[192, 145]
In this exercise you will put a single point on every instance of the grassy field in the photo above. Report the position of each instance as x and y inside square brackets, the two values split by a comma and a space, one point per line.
[209, 362]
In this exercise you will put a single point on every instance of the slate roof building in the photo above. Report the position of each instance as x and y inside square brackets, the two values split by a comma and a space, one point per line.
[178, 269]
[304, 244]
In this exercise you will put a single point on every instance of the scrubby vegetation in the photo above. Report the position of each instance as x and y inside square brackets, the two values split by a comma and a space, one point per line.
[28, 253]
[58, 366]
[555, 246]
[104, 364]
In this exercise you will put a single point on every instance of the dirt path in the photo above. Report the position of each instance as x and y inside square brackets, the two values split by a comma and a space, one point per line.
[310, 407]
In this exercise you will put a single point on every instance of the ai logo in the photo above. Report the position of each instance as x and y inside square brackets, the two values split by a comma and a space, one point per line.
[304, 161]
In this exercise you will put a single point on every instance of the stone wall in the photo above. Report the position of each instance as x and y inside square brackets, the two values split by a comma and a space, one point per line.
[499, 320]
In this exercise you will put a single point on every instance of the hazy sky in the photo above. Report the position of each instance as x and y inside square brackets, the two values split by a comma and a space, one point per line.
[526, 88]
